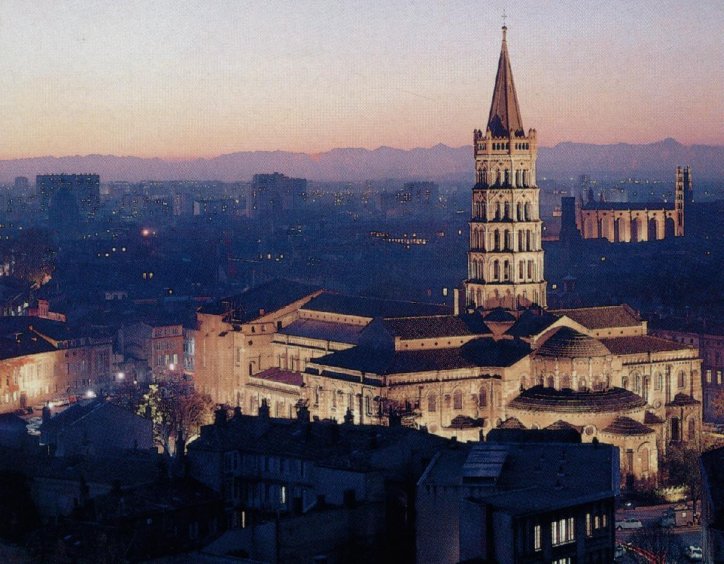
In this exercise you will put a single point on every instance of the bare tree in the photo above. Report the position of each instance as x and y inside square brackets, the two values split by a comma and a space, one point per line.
[175, 408]
[659, 544]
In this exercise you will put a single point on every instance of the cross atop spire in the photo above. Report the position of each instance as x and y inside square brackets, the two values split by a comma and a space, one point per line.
[504, 118]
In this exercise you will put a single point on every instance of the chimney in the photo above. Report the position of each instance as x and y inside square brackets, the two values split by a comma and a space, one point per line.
[456, 301]
[220, 417]
[264, 409]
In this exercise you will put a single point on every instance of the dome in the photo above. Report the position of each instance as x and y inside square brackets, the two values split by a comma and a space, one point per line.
[539, 398]
[569, 343]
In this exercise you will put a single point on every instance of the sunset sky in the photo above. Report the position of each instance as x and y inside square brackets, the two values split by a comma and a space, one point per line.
[187, 79]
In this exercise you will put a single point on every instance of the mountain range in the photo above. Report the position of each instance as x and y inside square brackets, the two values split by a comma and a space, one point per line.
[653, 160]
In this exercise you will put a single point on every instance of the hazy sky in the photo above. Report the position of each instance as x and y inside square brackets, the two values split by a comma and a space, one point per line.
[182, 79]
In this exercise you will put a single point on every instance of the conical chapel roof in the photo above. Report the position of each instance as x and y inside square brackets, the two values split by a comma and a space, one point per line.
[504, 118]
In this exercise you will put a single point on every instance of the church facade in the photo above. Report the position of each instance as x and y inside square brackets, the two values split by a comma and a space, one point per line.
[500, 360]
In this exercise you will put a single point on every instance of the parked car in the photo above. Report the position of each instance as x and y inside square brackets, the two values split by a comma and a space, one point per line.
[678, 516]
[694, 553]
[629, 523]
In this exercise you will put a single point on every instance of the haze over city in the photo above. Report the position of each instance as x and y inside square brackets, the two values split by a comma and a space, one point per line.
[153, 80]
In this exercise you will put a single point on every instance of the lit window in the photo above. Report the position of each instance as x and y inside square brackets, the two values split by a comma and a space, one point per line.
[536, 538]
[562, 531]
[589, 530]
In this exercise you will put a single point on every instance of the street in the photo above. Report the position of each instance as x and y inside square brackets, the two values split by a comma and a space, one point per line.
[649, 517]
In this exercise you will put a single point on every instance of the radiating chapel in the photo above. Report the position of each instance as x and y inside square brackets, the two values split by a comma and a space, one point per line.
[499, 359]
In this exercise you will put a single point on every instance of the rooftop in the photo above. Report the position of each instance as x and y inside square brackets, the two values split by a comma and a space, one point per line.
[328, 302]
[481, 352]
[627, 426]
[602, 317]
[323, 330]
[569, 343]
[257, 301]
[527, 477]
[281, 376]
[628, 206]
[427, 327]
[642, 344]
[539, 398]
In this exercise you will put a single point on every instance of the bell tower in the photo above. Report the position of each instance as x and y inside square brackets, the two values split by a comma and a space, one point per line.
[505, 255]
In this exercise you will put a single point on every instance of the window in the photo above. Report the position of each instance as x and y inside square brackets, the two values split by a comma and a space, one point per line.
[589, 528]
[457, 399]
[482, 397]
[432, 403]
[658, 381]
[682, 379]
[566, 560]
[563, 531]
[536, 538]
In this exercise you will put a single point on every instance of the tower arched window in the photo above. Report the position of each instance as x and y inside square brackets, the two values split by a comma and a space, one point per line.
[496, 240]
[682, 379]
[550, 382]
[496, 270]
[624, 382]
[506, 270]
[521, 270]
[482, 397]
[457, 399]
[658, 381]
[432, 403]
[520, 241]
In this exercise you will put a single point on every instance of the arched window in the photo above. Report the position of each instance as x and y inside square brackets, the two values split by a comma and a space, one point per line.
[624, 382]
[565, 381]
[539, 380]
[496, 240]
[457, 399]
[523, 383]
[520, 241]
[582, 385]
[645, 390]
[658, 381]
[682, 379]
[482, 397]
[637, 384]
[521, 270]
[432, 403]
[506, 270]
[550, 382]
[692, 429]
[496, 269]
[644, 459]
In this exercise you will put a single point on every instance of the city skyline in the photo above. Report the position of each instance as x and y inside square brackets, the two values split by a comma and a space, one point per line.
[225, 77]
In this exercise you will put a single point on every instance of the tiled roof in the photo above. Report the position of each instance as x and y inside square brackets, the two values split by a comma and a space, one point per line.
[531, 323]
[465, 422]
[650, 418]
[372, 307]
[281, 376]
[428, 327]
[23, 344]
[539, 398]
[511, 423]
[323, 330]
[500, 315]
[478, 352]
[683, 399]
[641, 343]
[602, 317]
[569, 343]
[561, 425]
[627, 426]
[267, 297]
[634, 206]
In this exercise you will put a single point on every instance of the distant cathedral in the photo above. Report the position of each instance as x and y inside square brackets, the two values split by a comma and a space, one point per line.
[635, 222]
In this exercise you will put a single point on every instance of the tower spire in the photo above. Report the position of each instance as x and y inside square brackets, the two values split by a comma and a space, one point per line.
[504, 118]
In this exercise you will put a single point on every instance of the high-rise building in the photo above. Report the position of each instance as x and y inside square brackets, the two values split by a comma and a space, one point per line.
[85, 188]
[273, 193]
[505, 257]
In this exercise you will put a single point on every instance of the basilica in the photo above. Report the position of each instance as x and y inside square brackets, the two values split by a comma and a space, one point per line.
[499, 359]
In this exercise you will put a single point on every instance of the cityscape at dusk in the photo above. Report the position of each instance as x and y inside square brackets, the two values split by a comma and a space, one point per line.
[322, 283]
